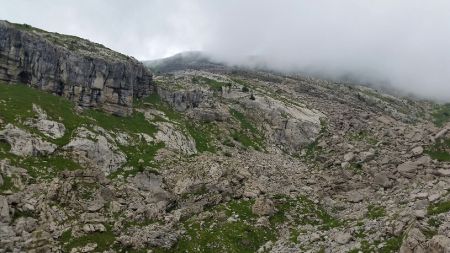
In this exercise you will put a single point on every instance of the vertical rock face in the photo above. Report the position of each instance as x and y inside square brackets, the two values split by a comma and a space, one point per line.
[83, 71]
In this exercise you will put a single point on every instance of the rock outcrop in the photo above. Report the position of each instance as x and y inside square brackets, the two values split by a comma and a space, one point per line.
[95, 150]
[25, 144]
[80, 70]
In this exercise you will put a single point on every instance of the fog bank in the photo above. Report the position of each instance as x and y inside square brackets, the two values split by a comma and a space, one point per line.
[403, 43]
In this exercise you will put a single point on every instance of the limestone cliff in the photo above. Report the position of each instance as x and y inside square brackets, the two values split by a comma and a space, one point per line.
[85, 72]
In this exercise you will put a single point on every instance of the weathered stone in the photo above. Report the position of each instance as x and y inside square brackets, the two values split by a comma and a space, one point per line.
[439, 244]
[382, 180]
[417, 151]
[420, 214]
[342, 237]
[263, 207]
[26, 224]
[152, 184]
[175, 139]
[25, 144]
[443, 172]
[96, 151]
[414, 242]
[4, 210]
[407, 169]
[90, 228]
[354, 196]
[349, 157]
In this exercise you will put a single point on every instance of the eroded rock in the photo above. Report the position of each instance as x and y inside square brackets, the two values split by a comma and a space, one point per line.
[25, 144]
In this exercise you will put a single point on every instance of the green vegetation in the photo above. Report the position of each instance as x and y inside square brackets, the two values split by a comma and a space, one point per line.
[135, 123]
[104, 240]
[312, 151]
[213, 84]
[439, 207]
[18, 214]
[139, 223]
[356, 167]
[220, 235]
[140, 158]
[441, 115]
[363, 136]
[202, 133]
[16, 106]
[303, 211]
[249, 135]
[439, 150]
[7, 185]
[433, 222]
[47, 166]
[245, 123]
[375, 212]
[391, 245]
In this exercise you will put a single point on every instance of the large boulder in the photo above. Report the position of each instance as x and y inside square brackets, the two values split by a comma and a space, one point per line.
[96, 151]
[291, 127]
[263, 207]
[4, 210]
[174, 139]
[439, 244]
[24, 143]
[46, 126]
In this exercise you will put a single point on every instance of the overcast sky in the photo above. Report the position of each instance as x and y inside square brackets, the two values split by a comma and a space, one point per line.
[403, 42]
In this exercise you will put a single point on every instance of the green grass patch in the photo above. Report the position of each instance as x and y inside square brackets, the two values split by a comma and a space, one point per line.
[202, 134]
[245, 123]
[144, 152]
[312, 150]
[391, 245]
[363, 136]
[439, 207]
[249, 135]
[104, 240]
[375, 212]
[213, 84]
[245, 140]
[441, 115]
[16, 106]
[135, 123]
[303, 211]
[213, 235]
[439, 150]
[7, 185]
[47, 166]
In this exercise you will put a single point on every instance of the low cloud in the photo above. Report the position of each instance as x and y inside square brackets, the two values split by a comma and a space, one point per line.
[401, 43]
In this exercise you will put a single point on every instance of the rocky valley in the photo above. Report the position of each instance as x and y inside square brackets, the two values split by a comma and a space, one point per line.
[97, 154]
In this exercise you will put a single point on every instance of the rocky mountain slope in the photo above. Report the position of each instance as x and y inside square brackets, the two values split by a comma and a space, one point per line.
[225, 160]
[83, 71]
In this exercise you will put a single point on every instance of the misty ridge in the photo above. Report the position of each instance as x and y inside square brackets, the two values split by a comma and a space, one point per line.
[400, 45]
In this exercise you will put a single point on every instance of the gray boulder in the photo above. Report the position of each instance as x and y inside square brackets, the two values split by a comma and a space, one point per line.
[25, 144]
[96, 151]
[4, 210]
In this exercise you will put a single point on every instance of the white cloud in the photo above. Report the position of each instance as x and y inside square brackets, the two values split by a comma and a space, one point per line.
[402, 41]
